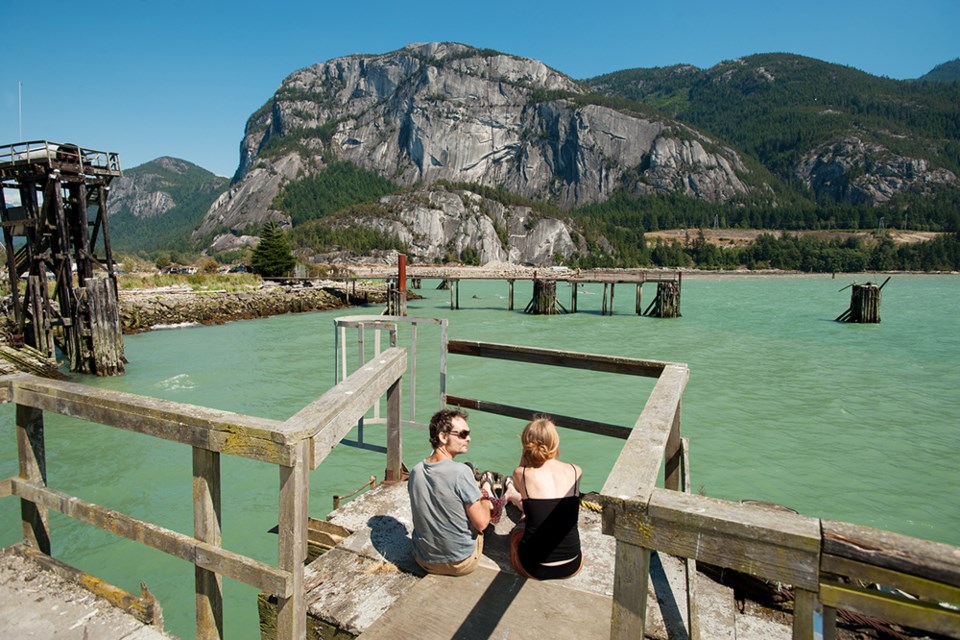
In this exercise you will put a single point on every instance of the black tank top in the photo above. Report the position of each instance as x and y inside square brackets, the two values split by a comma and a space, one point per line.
[550, 533]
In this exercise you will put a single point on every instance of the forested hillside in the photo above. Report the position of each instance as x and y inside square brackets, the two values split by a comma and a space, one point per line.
[156, 205]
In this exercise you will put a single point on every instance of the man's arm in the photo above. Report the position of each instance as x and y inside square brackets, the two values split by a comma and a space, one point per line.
[478, 514]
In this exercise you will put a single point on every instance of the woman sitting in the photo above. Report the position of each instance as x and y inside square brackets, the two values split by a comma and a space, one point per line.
[546, 543]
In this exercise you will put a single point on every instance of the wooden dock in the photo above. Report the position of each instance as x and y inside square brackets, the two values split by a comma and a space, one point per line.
[666, 303]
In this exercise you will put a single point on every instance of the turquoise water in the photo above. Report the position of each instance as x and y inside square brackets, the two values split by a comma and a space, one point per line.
[848, 422]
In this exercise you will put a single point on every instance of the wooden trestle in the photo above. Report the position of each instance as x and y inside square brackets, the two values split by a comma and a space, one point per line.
[54, 233]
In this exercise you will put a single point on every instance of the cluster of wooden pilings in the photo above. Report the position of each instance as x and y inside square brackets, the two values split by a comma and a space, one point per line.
[544, 301]
[864, 303]
[51, 240]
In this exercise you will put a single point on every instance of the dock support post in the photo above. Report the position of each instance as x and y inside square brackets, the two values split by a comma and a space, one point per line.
[573, 295]
[804, 603]
[33, 468]
[673, 455]
[394, 445]
[206, 527]
[292, 550]
[630, 591]
[603, 305]
[639, 308]
[510, 304]
[613, 286]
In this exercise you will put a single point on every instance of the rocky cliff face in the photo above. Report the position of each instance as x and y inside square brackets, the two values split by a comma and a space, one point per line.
[858, 172]
[446, 111]
[439, 223]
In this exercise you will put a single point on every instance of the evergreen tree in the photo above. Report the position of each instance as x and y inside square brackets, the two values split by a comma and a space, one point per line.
[272, 256]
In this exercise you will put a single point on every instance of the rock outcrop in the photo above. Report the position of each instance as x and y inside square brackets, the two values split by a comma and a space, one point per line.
[445, 111]
[858, 172]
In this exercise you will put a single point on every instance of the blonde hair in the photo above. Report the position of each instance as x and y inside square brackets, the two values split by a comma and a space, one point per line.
[541, 442]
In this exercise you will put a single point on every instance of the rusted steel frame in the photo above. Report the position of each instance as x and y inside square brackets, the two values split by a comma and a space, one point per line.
[559, 358]
[202, 554]
[577, 424]
[326, 420]
[637, 469]
[215, 430]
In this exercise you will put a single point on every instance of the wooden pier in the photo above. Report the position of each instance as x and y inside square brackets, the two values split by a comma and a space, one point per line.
[643, 521]
[545, 281]
[61, 221]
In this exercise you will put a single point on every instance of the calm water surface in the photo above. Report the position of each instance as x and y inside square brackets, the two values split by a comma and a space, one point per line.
[848, 422]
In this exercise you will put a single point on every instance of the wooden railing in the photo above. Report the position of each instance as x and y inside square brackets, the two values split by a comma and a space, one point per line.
[822, 560]
[296, 446]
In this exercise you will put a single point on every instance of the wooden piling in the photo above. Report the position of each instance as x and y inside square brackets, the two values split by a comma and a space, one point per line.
[667, 302]
[544, 300]
[864, 304]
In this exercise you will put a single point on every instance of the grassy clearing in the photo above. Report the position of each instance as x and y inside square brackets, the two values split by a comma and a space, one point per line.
[196, 282]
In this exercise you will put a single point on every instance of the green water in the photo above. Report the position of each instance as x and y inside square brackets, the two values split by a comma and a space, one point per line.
[848, 422]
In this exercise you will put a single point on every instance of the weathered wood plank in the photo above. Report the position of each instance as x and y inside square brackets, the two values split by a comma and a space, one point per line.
[394, 440]
[5, 488]
[628, 619]
[145, 607]
[568, 422]
[536, 355]
[33, 468]
[328, 418]
[211, 429]
[912, 613]
[804, 603]
[932, 560]
[915, 585]
[776, 545]
[292, 543]
[202, 554]
[208, 586]
[637, 468]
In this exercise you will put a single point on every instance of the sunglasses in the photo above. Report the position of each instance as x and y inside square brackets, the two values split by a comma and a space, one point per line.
[463, 434]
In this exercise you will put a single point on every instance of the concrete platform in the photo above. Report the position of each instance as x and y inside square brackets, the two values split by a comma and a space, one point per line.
[370, 586]
[37, 603]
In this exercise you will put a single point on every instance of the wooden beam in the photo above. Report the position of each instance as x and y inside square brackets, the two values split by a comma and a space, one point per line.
[568, 422]
[197, 552]
[911, 613]
[555, 357]
[923, 588]
[292, 544]
[637, 468]
[327, 419]
[775, 545]
[221, 431]
[630, 579]
[931, 560]
[208, 586]
[33, 468]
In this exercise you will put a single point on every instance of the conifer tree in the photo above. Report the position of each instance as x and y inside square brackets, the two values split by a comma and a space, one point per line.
[272, 257]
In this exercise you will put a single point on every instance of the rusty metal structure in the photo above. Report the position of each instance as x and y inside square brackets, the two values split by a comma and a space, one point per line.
[58, 256]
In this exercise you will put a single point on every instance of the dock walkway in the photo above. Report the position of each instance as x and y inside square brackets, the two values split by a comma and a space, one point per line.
[38, 603]
[369, 586]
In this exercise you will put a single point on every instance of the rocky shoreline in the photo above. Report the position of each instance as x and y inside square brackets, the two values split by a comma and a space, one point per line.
[145, 309]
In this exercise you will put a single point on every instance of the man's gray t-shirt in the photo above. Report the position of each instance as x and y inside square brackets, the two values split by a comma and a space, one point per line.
[440, 492]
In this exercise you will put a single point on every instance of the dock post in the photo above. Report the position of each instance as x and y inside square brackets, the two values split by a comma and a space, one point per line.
[613, 287]
[603, 306]
[632, 573]
[510, 304]
[573, 296]
[639, 299]
[292, 549]
[864, 304]
[206, 527]
[33, 468]
[544, 300]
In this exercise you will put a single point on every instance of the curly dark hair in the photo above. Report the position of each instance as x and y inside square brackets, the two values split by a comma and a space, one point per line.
[442, 422]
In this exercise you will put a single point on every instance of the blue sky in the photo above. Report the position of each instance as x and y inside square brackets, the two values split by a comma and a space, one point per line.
[179, 78]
